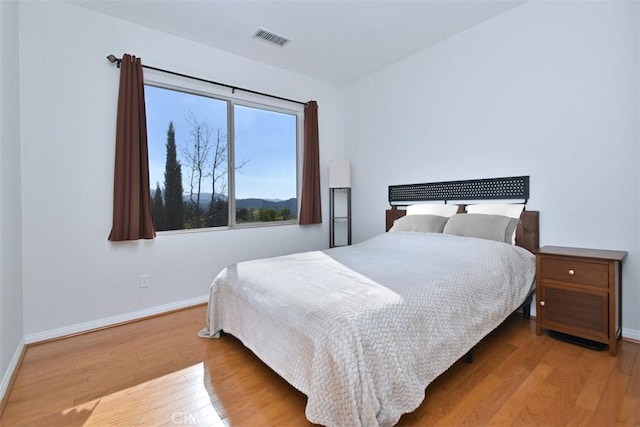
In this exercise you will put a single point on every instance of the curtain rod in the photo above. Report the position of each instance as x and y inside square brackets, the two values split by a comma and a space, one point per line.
[112, 58]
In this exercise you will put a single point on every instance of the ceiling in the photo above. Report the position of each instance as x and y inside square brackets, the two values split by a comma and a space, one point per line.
[335, 41]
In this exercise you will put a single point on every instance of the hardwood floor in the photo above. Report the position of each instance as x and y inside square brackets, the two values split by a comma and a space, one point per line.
[157, 372]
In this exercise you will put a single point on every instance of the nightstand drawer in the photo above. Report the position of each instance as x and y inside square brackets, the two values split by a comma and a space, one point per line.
[572, 271]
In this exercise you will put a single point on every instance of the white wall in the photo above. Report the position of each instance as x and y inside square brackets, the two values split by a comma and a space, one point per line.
[72, 274]
[548, 89]
[11, 325]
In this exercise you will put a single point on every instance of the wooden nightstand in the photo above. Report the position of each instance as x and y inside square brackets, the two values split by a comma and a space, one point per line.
[578, 293]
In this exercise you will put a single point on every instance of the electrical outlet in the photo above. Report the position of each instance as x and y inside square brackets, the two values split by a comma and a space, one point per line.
[144, 280]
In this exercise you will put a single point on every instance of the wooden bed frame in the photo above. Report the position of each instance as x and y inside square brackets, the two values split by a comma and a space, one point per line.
[526, 233]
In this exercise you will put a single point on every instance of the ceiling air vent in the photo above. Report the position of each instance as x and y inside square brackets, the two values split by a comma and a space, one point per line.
[271, 37]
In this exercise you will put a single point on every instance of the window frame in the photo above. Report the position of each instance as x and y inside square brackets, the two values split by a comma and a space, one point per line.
[194, 87]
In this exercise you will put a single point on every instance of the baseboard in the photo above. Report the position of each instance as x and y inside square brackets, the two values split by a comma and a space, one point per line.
[631, 334]
[113, 320]
[10, 374]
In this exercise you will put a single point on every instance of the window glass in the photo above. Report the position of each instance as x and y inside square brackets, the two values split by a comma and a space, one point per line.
[196, 168]
[265, 165]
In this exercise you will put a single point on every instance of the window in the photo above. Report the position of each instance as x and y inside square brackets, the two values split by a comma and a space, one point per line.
[216, 162]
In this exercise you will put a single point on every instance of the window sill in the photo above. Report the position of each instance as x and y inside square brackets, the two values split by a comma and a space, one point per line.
[227, 228]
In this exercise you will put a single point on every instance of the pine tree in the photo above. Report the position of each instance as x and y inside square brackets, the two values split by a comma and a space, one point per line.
[158, 210]
[174, 206]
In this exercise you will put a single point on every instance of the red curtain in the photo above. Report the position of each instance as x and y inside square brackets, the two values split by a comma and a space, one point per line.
[310, 209]
[132, 219]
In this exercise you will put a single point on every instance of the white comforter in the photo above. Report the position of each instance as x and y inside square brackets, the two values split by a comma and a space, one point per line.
[362, 330]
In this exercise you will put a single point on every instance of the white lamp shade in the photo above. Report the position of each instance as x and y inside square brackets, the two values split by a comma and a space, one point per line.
[339, 174]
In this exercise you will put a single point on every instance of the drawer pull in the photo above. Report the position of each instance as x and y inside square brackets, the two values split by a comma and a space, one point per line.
[542, 304]
[572, 272]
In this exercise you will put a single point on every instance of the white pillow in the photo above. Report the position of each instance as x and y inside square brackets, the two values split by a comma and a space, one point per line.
[512, 210]
[440, 209]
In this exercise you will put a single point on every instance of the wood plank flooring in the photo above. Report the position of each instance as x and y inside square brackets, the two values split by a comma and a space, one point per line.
[157, 372]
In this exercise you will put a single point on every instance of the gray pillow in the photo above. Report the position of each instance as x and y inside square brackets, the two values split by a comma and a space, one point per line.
[420, 223]
[483, 226]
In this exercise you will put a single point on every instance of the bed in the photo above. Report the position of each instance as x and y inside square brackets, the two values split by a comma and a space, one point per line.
[362, 330]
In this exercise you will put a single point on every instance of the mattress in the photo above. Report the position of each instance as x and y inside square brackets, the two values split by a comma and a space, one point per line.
[362, 330]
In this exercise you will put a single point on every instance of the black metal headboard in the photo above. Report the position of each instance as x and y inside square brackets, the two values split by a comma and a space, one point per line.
[515, 187]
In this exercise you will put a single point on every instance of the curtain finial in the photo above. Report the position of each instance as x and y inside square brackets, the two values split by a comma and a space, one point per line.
[112, 58]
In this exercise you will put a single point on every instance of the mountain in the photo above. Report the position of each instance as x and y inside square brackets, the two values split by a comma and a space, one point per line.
[291, 204]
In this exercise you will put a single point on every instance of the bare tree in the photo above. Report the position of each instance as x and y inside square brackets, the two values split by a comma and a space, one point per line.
[219, 165]
[196, 155]
[207, 157]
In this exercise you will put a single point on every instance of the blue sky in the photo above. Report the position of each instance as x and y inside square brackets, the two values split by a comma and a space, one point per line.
[265, 142]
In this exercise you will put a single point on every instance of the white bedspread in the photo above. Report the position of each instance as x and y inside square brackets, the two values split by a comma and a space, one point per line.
[362, 330]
